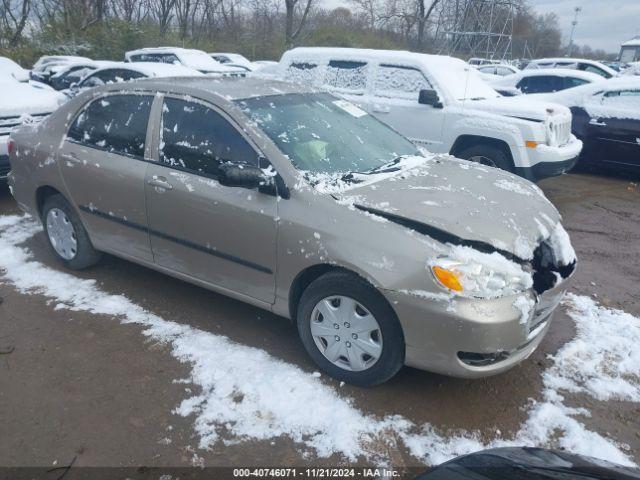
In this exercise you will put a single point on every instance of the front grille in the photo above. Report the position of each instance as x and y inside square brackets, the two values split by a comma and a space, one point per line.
[9, 123]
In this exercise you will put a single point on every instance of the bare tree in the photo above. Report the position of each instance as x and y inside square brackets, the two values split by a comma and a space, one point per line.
[13, 18]
[163, 12]
[291, 30]
[423, 15]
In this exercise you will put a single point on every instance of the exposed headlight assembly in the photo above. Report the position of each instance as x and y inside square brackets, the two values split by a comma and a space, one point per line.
[470, 273]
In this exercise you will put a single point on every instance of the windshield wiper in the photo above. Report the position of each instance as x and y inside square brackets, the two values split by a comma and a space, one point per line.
[386, 167]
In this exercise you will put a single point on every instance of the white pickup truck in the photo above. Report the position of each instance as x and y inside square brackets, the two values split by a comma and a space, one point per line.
[443, 104]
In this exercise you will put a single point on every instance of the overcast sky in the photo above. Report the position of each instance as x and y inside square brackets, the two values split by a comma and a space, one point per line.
[601, 23]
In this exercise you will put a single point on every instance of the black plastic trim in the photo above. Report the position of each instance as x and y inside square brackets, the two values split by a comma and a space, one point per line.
[179, 241]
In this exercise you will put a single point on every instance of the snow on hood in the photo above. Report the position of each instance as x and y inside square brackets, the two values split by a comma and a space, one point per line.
[20, 98]
[519, 107]
[470, 201]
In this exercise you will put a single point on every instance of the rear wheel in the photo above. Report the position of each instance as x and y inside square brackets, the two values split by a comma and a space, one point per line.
[349, 330]
[66, 236]
[487, 155]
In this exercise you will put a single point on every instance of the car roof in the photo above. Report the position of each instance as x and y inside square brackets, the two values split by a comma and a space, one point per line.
[229, 88]
[575, 60]
[634, 42]
[152, 69]
[561, 72]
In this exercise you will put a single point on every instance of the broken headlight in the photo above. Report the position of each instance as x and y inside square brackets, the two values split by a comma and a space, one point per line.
[480, 275]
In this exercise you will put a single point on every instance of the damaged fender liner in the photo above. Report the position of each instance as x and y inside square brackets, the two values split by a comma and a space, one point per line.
[440, 235]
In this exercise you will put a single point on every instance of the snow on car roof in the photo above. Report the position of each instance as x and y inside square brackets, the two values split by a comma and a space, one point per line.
[153, 69]
[634, 42]
[455, 77]
[574, 60]
[562, 72]
[190, 57]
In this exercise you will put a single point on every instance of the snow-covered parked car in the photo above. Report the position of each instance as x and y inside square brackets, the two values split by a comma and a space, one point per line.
[606, 116]
[543, 81]
[581, 64]
[117, 72]
[49, 65]
[233, 60]
[301, 203]
[19, 103]
[500, 70]
[11, 68]
[443, 104]
[187, 57]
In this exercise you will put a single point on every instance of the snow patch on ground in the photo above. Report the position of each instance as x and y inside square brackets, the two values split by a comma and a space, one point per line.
[248, 394]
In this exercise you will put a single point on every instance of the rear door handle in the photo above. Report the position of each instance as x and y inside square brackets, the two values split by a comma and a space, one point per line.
[596, 123]
[160, 182]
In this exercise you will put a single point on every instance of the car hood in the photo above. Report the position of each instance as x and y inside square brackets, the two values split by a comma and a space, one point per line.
[21, 98]
[519, 107]
[456, 201]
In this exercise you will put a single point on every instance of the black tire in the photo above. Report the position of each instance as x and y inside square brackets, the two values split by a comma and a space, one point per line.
[86, 256]
[495, 156]
[393, 346]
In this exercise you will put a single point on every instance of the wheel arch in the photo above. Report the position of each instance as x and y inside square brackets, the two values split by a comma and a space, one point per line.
[465, 141]
[313, 272]
[42, 193]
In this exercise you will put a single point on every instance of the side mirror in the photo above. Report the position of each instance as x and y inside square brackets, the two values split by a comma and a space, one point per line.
[246, 176]
[429, 97]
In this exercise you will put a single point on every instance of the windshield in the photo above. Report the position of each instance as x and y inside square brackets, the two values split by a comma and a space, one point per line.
[322, 134]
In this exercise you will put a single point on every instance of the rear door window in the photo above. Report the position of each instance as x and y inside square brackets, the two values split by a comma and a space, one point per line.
[540, 84]
[347, 76]
[115, 123]
[395, 81]
[198, 139]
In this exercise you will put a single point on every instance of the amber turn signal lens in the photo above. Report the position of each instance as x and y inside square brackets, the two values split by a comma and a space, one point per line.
[531, 144]
[447, 278]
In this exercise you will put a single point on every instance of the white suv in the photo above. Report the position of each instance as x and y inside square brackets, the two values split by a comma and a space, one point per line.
[443, 104]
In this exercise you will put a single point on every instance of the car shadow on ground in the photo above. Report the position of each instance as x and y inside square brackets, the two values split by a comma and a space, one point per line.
[426, 397]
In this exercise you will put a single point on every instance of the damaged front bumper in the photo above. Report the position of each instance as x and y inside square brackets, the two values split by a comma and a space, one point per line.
[470, 337]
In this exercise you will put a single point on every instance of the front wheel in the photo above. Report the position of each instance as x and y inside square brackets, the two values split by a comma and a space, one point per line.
[66, 235]
[349, 330]
[487, 155]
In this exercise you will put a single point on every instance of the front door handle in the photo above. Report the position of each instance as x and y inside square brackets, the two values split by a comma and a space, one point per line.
[596, 123]
[160, 182]
[71, 157]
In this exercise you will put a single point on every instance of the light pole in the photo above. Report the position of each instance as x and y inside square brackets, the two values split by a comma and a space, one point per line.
[577, 10]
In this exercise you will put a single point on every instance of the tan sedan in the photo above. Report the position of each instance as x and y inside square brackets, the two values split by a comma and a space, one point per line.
[305, 205]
